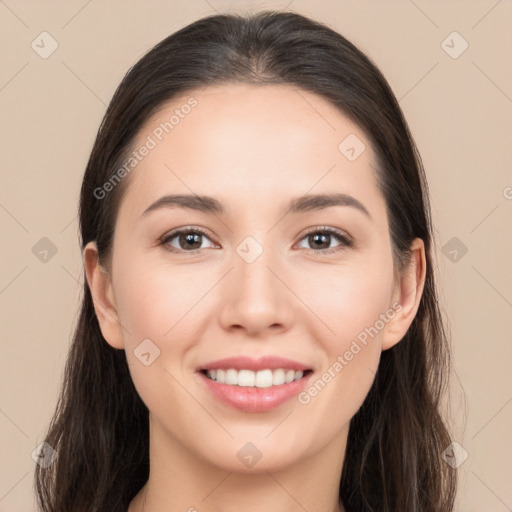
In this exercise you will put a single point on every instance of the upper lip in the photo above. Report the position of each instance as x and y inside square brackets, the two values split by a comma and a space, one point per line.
[248, 363]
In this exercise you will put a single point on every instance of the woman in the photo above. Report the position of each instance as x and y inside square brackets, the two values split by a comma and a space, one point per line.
[259, 326]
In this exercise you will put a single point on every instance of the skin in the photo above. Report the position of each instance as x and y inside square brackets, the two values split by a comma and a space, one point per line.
[253, 148]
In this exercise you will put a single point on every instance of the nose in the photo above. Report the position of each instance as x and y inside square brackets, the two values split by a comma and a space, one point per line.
[256, 297]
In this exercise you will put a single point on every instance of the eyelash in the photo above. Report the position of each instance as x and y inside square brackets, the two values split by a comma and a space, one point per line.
[345, 240]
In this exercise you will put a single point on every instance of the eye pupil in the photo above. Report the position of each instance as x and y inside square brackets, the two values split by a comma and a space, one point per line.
[318, 237]
[192, 238]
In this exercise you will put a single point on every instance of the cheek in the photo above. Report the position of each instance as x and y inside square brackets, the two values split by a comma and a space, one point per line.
[163, 305]
[155, 301]
[348, 302]
[350, 305]
[156, 304]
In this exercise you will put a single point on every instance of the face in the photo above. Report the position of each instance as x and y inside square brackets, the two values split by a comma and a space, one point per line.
[269, 272]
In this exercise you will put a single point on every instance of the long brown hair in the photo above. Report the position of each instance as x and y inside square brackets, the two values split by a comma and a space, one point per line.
[100, 427]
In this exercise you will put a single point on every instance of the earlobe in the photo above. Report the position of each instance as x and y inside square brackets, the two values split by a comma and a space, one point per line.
[408, 294]
[101, 288]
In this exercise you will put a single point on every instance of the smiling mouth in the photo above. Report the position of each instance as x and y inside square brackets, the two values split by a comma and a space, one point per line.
[260, 379]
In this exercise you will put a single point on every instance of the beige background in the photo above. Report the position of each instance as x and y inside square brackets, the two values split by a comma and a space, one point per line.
[459, 110]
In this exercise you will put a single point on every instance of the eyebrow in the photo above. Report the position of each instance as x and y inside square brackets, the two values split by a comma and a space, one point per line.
[211, 205]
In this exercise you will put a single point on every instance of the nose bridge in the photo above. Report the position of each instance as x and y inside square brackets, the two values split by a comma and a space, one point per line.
[253, 259]
[256, 298]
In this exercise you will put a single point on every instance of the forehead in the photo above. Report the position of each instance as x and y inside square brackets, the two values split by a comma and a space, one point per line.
[252, 142]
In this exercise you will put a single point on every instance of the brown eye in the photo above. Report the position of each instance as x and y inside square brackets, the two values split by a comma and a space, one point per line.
[320, 240]
[187, 240]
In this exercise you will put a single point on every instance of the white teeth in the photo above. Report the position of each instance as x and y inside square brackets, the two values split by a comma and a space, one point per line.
[245, 378]
[260, 379]
[263, 379]
[278, 377]
[231, 377]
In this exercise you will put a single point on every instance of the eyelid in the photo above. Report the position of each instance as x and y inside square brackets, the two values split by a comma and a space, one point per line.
[328, 229]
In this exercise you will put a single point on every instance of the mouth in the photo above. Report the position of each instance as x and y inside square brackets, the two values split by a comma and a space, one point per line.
[254, 391]
[255, 379]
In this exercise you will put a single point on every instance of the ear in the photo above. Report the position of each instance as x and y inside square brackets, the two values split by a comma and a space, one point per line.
[102, 293]
[407, 295]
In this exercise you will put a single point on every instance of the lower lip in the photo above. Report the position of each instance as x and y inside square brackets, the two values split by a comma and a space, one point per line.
[251, 399]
